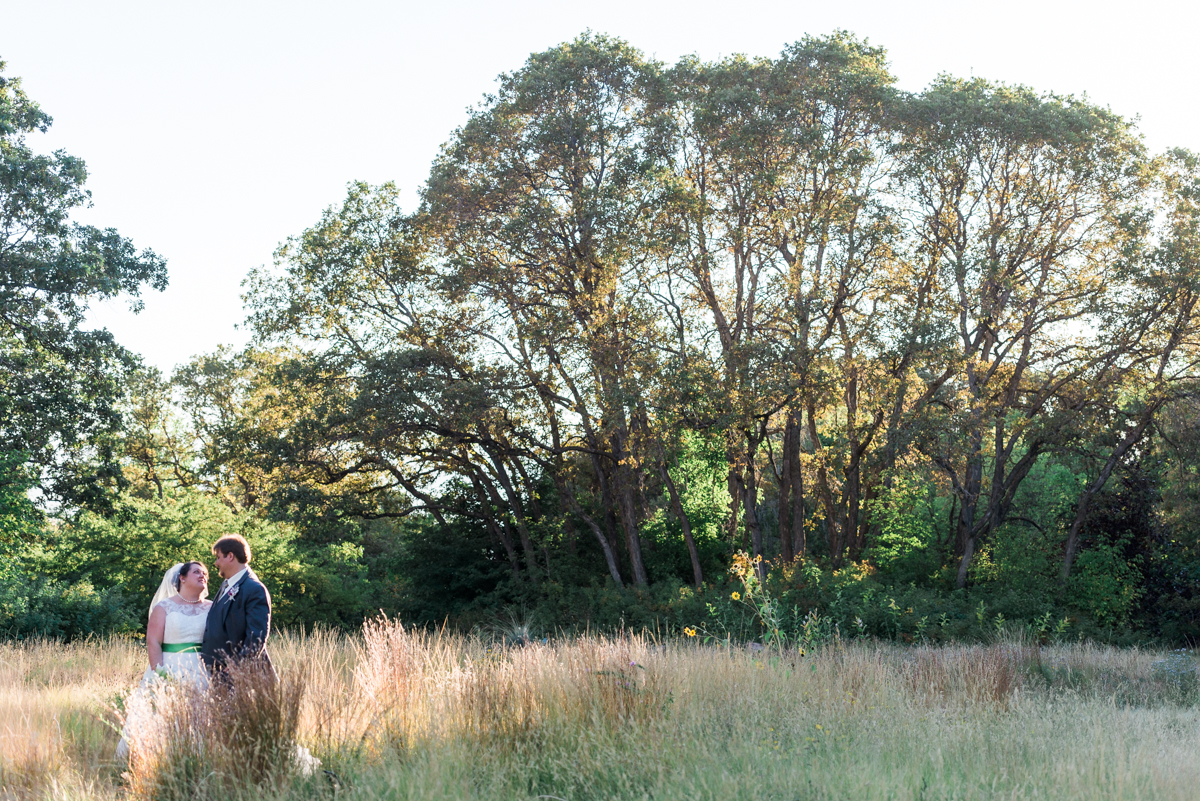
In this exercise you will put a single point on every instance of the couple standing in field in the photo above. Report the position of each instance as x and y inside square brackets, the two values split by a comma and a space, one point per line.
[190, 639]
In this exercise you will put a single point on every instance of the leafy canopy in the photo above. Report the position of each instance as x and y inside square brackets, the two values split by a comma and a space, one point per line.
[59, 382]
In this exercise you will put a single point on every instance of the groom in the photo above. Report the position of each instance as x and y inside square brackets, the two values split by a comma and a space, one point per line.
[239, 620]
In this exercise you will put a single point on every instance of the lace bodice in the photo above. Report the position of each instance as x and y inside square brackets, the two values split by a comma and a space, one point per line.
[185, 622]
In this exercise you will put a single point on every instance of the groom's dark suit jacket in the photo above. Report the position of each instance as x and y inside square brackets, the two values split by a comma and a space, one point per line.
[238, 627]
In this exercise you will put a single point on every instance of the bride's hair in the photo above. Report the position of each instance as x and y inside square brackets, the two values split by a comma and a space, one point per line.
[184, 569]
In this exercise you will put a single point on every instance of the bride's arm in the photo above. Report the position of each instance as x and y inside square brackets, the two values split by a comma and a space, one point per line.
[154, 636]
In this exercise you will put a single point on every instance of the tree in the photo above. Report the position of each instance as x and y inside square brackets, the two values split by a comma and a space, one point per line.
[780, 242]
[840, 282]
[1022, 204]
[541, 203]
[1155, 327]
[59, 383]
[399, 396]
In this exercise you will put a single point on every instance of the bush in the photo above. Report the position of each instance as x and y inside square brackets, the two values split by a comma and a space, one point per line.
[98, 573]
[41, 607]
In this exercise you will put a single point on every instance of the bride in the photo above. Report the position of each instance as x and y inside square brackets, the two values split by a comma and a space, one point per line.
[178, 614]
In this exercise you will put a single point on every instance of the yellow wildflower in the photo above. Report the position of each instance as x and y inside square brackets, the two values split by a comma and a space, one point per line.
[737, 596]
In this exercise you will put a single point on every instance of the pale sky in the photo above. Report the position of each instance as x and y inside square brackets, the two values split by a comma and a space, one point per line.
[213, 131]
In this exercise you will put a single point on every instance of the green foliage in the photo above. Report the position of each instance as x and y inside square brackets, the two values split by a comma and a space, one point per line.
[1105, 585]
[908, 514]
[42, 607]
[32, 601]
[436, 574]
[20, 521]
[645, 317]
[59, 383]
[699, 474]
[771, 620]
[123, 557]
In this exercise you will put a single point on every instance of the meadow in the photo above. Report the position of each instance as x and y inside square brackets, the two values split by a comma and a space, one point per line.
[394, 713]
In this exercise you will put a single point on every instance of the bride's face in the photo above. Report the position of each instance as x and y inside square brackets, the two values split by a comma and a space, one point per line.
[196, 579]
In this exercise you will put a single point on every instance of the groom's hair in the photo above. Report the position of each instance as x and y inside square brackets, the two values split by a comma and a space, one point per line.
[234, 544]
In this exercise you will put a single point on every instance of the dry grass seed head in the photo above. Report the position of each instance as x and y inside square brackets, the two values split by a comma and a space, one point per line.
[240, 734]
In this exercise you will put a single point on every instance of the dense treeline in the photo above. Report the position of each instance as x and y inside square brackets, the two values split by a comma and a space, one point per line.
[932, 356]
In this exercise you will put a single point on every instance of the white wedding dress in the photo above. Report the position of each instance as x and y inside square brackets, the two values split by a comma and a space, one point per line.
[183, 632]
[182, 636]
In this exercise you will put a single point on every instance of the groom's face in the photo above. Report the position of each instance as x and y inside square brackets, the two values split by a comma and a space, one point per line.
[227, 564]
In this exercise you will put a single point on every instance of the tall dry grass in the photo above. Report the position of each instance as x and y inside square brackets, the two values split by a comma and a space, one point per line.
[55, 720]
[237, 735]
[395, 713]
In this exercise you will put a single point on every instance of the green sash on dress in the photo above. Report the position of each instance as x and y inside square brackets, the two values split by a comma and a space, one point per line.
[181, 647]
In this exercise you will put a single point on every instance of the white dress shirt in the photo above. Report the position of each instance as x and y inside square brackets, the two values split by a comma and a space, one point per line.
[229, 582]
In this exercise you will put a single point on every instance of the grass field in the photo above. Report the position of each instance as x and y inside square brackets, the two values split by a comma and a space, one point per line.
[423, 716]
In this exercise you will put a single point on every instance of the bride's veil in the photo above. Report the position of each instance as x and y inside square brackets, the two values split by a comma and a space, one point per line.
[167, 588]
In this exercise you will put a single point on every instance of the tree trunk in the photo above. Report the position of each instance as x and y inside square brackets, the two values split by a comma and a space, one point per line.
[833, 522]
[570, 537]
[486, 499]
[518, 510]
[749, 482]
[967, 535]
[1085, 501]
[610, 558]
[606, 500]
[952, 523]
[799, 533]
[964, 562]
[787, 456]
[629, 522]
[689, 540]
[735, 504]
[852, 489]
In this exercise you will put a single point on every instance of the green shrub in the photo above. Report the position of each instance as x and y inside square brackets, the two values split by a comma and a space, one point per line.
[41, 607]
[1104, 585]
